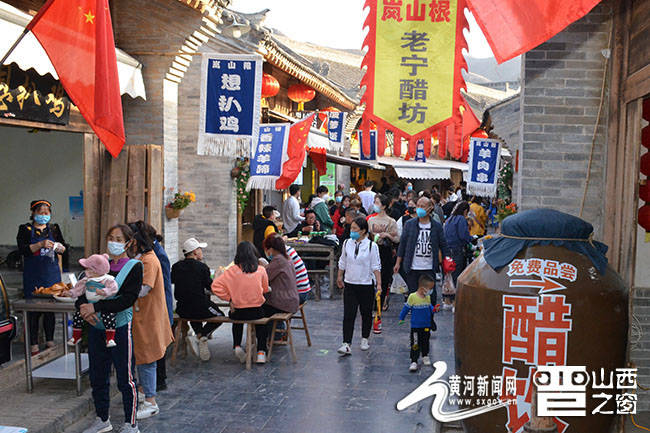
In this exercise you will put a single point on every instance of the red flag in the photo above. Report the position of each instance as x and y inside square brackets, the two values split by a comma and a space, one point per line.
[319, 156]
[77, 36]
[295, 152]
[528, 23]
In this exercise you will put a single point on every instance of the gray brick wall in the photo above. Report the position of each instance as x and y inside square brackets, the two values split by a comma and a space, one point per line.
[559, 105]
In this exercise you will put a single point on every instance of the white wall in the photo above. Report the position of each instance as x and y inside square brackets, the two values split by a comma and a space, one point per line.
[44, 164]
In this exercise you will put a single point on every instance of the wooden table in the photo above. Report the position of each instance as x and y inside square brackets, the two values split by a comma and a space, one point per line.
[69, 366]
[307, 251]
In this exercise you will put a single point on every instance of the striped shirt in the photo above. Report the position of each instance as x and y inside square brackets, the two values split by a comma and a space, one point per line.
[302, 278]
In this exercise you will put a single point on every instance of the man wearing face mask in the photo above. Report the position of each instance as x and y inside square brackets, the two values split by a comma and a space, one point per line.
[421, 239]
[192, 285]
[319, 205]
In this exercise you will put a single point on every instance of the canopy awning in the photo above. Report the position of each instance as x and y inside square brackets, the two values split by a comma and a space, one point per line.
[30, 54]
[431, 169]
[342, 160]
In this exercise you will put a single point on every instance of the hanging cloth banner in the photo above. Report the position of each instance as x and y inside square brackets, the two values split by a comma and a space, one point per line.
[335, 129]
[372, 155]
[483, 166]
[414, 63]
[229, 114]
[268, 156]
[419, 151]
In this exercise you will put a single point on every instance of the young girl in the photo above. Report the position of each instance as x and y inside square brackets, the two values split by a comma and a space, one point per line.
[419, 305]
[244, 285]
[359, 262]
[96, 285]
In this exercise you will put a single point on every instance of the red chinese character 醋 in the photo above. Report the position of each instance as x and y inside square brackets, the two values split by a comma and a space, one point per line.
[519, 329]
[392, 10]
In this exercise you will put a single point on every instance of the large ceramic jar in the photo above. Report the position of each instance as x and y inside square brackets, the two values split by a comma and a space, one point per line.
[548, 305]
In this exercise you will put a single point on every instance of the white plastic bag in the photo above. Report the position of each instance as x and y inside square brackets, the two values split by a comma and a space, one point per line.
[398, 285]
[448, 286]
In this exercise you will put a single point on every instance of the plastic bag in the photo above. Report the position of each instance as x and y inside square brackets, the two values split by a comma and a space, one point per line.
[398, 285]
[448, 286]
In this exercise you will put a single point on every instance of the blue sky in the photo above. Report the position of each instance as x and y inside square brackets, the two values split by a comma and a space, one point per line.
[335, 23]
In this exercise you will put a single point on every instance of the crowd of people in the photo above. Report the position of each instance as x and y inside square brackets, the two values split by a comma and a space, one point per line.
[126, 296]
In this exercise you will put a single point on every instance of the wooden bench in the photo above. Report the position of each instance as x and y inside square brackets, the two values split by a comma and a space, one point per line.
[182, 328]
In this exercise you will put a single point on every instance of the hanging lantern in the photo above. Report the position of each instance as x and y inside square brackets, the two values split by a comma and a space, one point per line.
[644, 164]
[270, 86]
[644, 191]
[301, 93]
[644, 217]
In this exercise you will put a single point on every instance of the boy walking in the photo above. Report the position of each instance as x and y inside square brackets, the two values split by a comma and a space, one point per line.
[419, 305]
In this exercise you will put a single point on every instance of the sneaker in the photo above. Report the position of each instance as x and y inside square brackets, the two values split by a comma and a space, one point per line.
[376, 327]
[453, 309]
[413, 367]
[344, 350]
[99, 426]
[147, 410]
[204, 350]
[111, 343]
[426, 360]
[241, 354]
[261, 357]
[140, 397]
[193, 343]
[71, 342]
[128, 428]
[364, 344]
[446, 306]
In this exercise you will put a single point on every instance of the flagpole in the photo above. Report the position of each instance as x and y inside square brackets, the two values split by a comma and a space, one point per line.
[13, 47]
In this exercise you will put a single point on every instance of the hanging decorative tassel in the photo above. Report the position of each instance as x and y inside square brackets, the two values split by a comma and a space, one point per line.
[397, 144]
[412, 147]
[427, 146]
[442, 142]
[381, 141]
[365, 135]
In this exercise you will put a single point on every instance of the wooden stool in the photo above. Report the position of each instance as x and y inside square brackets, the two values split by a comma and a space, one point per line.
[300, 314]
[286, 318]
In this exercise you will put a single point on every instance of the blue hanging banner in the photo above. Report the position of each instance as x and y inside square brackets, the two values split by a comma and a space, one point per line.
[229, 112]
[373, 146]
[483, 163]
[419, 151]
[268, 156]
[335, 129]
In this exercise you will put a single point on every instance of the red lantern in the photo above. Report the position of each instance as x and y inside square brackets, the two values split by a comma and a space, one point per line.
[270, 86]
[301, 93]
[644, 217]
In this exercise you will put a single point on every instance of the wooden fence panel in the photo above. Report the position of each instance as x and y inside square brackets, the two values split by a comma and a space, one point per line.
[135, 203]
[155, 186]
[92, 153]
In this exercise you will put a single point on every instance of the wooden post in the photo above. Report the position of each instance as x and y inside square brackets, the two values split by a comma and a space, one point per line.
[538, 424]
[92, 193]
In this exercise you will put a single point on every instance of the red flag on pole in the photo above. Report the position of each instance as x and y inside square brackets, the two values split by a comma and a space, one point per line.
[296, 150]
[77, 36]
[528, 23]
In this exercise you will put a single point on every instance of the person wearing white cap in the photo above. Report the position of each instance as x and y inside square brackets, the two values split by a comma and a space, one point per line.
[191, 279]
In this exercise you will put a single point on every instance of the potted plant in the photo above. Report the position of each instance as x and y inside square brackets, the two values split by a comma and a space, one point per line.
[181, 200]
[505, 209]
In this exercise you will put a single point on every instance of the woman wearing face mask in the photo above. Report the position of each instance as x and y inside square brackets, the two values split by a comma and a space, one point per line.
[384, 232]
[151, 330]
[358, 264]
[40, 243]
[283, 294]
[458, 238]
[339, 215]
[128, 275]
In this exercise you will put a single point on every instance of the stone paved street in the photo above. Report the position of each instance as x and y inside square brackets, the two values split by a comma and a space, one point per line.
[320, 393]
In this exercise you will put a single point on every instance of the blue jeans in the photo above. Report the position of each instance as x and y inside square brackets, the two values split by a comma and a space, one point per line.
[101, 358]
[147, 378]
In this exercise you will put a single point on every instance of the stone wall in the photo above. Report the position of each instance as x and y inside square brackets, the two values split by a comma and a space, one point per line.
[559, 105]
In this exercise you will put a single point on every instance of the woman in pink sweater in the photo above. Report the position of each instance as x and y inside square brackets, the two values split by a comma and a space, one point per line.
[244, 285]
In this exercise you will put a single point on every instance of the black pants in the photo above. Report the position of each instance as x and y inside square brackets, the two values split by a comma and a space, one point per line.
[201, 312]
[161, 372]
[458, 255]
[412, 282]
[101, 358]
[422, 346]
[48, 326]
[357, 297]
[387, 263]
[108, 320]
[238, 328]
